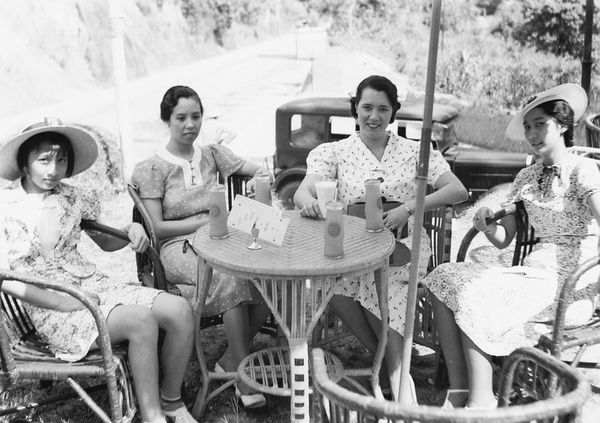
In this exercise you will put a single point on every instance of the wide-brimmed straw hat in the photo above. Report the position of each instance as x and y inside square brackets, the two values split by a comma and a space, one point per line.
[84, 146]
[571, 93]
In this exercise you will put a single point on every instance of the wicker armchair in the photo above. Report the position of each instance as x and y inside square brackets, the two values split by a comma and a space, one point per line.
[592, 130]
[24, 356]
[151, 273]
[562, 338]
[336, 404]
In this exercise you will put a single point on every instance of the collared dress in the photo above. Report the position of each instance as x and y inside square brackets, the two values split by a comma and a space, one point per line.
[352, 163]
[39, 235]
[183, 187]
[504, 308]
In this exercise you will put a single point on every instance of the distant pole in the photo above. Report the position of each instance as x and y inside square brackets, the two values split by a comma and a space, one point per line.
[586, 62]
[117, 29]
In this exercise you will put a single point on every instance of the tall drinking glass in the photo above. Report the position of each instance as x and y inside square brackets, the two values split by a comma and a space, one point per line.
[217, 215]
[263, 188]
[373, 206]
[326, 191]
[334, 230]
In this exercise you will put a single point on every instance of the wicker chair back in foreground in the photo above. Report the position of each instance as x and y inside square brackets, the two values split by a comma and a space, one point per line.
[24, 356]
[336, 404]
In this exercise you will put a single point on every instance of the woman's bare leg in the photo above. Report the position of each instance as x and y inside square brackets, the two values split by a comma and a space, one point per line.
[353, 316]
[174, 315]
[137, 325]
[479, 363]
[450, 337]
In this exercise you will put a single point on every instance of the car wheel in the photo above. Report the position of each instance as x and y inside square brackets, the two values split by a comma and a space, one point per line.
[286, 194]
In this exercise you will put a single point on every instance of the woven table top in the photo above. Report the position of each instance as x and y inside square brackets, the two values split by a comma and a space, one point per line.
[302, 251]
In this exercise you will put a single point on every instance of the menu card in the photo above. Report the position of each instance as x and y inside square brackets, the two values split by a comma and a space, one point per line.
[270, 222]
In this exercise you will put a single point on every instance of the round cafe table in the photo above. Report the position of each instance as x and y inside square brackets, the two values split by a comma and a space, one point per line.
[286, 277]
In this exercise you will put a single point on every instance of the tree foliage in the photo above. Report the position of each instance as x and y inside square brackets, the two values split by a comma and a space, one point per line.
[553, 26]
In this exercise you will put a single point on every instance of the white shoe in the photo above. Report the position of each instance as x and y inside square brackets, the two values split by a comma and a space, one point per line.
[179, 415]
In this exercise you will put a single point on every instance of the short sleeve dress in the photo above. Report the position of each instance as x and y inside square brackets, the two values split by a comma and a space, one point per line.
[352, 163]
[502, 308]
[40, 234]
[184, 190]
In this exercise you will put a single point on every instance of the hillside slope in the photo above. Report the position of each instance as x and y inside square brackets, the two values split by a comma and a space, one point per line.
[50, 51]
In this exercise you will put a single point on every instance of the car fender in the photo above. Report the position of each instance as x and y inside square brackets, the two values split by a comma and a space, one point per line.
[286, 175]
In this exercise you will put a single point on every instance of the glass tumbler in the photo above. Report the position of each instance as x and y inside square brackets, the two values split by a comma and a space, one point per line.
[263, 188]
[217, 215]
[334, 230]
[373, 206]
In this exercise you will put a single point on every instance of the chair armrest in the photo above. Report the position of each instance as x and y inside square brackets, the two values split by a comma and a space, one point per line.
[563, 302]
[472, 232]
[99, 318]
[150, 251]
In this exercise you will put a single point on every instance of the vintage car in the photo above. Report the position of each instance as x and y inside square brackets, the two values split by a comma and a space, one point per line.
[302, 124]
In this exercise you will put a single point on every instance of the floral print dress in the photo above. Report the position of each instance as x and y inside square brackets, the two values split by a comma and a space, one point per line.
[352, 163]
[503, 308]
[183, 188]
[39, 234]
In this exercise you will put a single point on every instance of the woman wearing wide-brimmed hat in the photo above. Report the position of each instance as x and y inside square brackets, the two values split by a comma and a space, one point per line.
[39, 231]
[485, 311]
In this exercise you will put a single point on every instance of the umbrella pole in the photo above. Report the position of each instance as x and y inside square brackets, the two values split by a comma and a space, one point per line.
[405, 396]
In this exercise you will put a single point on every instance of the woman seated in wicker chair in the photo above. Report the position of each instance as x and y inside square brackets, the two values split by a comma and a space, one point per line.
[175, 187]
[371, 153]
[39, 231]
[482, 310]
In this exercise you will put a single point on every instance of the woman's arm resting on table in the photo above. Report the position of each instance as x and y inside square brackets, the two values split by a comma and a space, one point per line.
[171, 228]
[44, 298]
[305, 197]
[137, 237]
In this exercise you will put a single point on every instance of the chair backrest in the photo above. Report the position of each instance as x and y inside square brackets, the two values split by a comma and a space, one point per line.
[337, 404]
[525, 237]
[592, 130]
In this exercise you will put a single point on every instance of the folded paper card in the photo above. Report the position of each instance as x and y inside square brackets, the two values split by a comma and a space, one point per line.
[269, 220]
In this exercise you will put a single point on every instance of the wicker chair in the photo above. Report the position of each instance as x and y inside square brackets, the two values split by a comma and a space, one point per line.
[152, 273]
[562, 338]
[24, 356]
[592, 130]
[438, 225]
[336, 404]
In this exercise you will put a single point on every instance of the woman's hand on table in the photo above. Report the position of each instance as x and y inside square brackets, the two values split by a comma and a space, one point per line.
[311, 209]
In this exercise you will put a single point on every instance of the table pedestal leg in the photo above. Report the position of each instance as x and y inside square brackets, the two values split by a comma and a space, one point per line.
[299, 374]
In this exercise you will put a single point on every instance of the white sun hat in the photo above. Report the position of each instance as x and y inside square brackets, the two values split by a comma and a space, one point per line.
[85, 149]
[571, 93]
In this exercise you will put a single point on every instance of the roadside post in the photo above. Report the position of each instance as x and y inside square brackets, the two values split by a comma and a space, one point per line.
[117, 29]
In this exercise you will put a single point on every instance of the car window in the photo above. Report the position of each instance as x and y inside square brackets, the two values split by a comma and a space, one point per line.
[308, 131]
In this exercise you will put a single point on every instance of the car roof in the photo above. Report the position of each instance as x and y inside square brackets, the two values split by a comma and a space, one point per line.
[340, 106]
